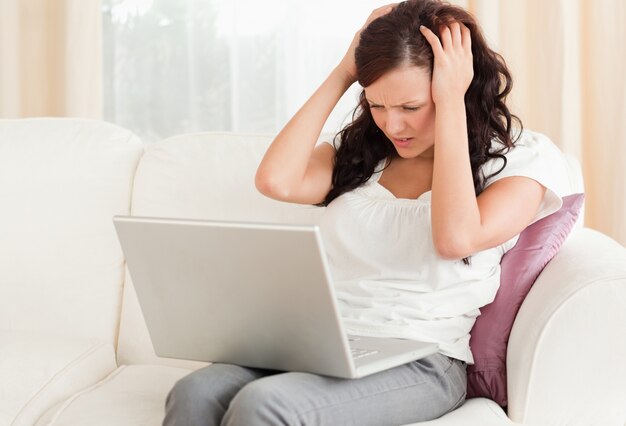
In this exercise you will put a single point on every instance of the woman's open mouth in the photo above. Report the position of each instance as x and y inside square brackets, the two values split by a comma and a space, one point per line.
[402, 142]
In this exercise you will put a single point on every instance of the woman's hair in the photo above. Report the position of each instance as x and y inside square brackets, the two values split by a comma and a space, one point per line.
[394, 40]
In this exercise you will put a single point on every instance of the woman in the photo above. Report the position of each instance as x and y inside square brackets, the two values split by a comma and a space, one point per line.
[425, 191]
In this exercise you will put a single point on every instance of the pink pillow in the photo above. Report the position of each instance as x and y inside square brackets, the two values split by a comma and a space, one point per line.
[521, 266]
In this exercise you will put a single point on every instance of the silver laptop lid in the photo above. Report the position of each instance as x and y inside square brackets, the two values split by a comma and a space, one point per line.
[258, 295]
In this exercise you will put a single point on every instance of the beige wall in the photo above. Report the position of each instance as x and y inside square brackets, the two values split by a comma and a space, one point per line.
[604, 114]
[50, 58]
[568, 59]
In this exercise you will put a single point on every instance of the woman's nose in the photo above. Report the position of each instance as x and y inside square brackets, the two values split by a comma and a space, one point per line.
[394, 124]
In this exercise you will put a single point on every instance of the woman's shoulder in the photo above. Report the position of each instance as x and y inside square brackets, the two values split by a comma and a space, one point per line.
[525, 139]
[529, 149]
[330, 139]
[530, 139]
[535, 156]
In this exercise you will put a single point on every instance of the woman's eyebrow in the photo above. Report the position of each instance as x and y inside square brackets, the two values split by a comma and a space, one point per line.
[414, 102]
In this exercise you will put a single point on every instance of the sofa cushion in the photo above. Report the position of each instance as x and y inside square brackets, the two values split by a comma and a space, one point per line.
[210, 176]
[39, 370]
[474, 412]
[521, 266]
[130, 396]
[61, 181]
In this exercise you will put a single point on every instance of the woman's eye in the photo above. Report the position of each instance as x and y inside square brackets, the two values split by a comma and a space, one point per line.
[411, 108]
[375, 107]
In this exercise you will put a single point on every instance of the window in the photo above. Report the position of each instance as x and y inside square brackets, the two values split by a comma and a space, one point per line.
[180, 66]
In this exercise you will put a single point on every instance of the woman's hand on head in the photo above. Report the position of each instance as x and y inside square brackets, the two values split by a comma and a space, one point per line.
[453, 67]
[347, 64]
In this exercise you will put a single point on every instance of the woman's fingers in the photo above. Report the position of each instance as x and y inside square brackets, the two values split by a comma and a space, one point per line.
[446, 37]
[378, 12]
[348, 63]
[432, 39]
[453, 65]
[466, 38]
[454, 35]
[455, 31]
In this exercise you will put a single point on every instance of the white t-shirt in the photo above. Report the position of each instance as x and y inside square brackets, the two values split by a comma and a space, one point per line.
[388, 278]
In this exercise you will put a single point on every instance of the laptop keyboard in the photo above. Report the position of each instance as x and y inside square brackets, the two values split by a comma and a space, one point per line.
[360, 353]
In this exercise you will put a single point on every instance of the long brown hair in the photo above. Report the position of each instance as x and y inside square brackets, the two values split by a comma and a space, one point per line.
[393, 40]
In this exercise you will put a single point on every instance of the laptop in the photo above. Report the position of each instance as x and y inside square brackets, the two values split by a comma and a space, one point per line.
[251, 294]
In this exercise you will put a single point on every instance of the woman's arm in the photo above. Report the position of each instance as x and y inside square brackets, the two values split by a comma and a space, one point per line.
[292, 169]
[462, 223]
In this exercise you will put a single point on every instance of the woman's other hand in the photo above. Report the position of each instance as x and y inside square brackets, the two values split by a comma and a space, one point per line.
[453, 68]
[347, 64]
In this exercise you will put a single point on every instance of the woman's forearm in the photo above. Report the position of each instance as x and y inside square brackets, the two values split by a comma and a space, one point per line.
[285, 163]
[455, 213]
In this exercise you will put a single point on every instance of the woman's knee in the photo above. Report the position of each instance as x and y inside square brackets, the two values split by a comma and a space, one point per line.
[205, 394]
[259, 403]
[191, 386]
[189, 399]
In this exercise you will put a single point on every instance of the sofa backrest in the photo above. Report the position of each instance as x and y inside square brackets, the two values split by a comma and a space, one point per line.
[198, 176]
[61, 267]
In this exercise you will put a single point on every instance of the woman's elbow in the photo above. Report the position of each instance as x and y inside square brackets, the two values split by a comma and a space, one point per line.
[451, 248]
[268, 185]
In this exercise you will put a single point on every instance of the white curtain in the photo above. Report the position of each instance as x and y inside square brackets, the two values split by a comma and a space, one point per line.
[174, 66]
[225, 65]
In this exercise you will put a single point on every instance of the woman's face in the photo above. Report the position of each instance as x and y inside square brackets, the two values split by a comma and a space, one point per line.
[402, 107]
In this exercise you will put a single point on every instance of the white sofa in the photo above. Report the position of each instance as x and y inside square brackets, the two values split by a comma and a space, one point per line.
[74, 349]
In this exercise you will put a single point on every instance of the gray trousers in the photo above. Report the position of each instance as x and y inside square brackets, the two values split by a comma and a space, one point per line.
[229, 395]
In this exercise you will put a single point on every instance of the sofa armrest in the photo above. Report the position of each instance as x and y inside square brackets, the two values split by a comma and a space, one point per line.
[567, 347]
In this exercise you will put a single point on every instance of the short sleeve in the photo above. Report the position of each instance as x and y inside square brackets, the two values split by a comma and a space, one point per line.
[329, 139]
[534, 156]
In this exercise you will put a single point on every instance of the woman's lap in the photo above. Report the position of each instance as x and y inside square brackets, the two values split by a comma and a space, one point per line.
[417, 391]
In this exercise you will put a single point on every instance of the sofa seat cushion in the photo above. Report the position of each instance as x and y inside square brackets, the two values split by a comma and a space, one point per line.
[131, 395]
[475, 411]
[40, 370]
[135, 395]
